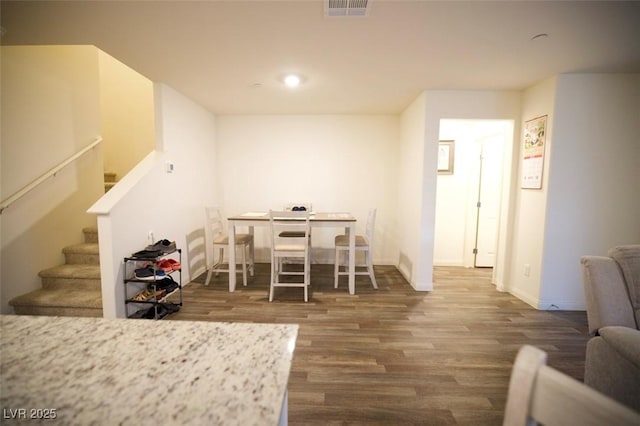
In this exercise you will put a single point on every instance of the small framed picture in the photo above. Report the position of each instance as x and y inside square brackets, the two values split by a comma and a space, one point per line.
[445, 157]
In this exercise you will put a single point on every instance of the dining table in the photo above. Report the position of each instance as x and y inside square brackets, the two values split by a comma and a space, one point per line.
[316, 219]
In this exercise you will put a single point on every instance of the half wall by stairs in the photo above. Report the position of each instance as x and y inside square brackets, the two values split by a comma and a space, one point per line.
[72, 289]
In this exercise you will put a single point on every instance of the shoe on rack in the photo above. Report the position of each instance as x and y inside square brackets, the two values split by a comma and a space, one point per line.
[165, 246]
[145, 313]
[166, 309]
[143, 296]
[171, 307]
[162, 310]
[147, 254]
[169, 265]
[149, 274]
[160, 294]
[168, 284]
[148, 294]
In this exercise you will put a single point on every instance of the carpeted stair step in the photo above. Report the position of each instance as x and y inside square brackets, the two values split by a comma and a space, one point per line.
[87, 254]
[80, 277]
[90, 234]
[109, 180]
[72, 289]
[59, 302]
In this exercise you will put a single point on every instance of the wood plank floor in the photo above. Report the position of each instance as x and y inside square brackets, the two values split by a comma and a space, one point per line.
[395, 356]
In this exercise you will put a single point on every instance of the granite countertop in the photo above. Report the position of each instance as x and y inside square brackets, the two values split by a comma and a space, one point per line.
[124, 371]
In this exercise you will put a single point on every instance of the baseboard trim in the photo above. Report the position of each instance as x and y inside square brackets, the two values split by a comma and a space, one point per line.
[548, 305]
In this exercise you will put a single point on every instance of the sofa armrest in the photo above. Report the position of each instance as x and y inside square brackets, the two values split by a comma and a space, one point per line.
[611, 365]
[606, 294]
[626, 341]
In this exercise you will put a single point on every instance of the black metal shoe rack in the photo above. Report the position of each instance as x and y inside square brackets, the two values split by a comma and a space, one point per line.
[161, 307]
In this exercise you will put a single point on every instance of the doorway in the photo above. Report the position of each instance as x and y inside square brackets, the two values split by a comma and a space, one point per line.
[469, 201]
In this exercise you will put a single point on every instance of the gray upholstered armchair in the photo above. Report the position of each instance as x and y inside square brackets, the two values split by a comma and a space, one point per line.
[612, 291]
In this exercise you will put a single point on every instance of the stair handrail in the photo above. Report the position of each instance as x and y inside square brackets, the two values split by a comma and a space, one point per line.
[51, 173]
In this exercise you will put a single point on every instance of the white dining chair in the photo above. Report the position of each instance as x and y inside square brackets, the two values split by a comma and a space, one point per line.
[364, 243]
[296, 207]
[219, 242]
[539, 394]
[283, 245]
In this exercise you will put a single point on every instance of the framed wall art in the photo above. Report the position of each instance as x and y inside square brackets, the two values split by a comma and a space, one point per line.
[535, 132]
[445, 157]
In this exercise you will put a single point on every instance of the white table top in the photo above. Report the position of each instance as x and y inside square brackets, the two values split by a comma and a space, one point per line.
[124, 371]
[313, 216]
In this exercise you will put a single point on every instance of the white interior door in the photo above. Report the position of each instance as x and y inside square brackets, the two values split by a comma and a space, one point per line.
[488, 213]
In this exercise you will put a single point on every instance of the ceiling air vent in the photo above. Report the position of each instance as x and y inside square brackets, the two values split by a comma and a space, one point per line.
[346, 7]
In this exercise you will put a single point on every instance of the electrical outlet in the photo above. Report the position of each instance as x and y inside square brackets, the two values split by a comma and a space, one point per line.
[150, 237]
[526, 270]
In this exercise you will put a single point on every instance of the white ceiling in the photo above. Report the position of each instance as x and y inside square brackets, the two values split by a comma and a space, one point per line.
[229, 55]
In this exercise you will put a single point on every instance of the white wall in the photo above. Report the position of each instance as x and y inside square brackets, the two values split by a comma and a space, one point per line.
[335, 162]
[50, 111]
[171, 205]
[413, 236]
[127, 114]
[593, 195]
[529, 217]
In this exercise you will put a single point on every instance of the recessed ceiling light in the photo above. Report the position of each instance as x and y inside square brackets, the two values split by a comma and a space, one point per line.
[292, 80]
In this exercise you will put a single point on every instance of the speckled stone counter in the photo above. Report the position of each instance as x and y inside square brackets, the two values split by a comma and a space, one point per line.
[137, 372]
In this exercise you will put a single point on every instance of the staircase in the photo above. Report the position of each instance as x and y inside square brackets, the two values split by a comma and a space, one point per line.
[72, 289]
[109, 180]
